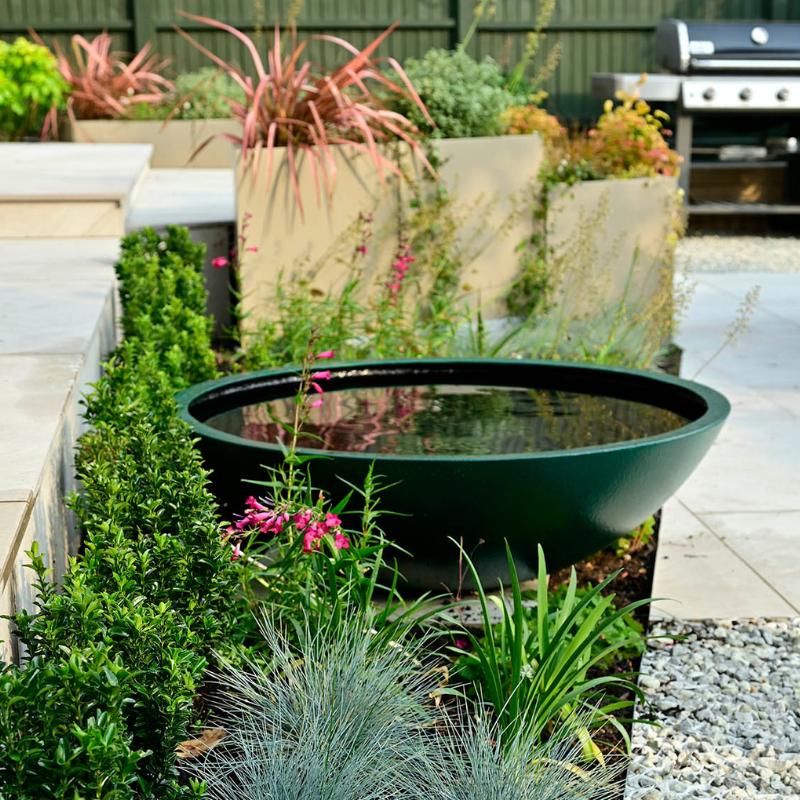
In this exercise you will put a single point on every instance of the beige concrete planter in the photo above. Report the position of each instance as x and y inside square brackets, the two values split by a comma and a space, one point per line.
[611, 241]
[173, 143]
[493, 181]
[601, 233]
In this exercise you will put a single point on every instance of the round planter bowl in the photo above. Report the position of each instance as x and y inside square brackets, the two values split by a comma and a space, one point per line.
[573, 502]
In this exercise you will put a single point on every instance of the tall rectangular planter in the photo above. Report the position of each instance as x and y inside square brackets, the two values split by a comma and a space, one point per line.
[611, 241]
[492, 181]
[173, 143]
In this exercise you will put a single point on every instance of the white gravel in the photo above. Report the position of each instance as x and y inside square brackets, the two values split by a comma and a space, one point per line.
[728, 702]
[708, 253]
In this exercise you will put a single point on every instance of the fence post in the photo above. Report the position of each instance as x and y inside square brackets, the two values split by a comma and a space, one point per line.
[144, 27]
[464, 14]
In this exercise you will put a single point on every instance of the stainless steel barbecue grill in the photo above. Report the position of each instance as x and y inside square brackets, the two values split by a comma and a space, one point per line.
[721, 69]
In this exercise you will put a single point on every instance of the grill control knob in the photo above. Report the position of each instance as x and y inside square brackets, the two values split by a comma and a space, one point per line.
[746, 93]
[783, 94]
[708, 94]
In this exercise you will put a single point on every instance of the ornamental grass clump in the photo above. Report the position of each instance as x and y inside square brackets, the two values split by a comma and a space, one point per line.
[103, 84]
[291, 104]
[342, 715]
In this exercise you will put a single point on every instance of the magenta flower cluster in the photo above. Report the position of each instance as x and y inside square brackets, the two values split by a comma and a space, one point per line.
[261, 516]
[315, 528]
[400, 266]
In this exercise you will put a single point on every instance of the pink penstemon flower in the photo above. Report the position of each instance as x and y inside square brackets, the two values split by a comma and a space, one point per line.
[219, 262]
[322, 375]
[325, 354]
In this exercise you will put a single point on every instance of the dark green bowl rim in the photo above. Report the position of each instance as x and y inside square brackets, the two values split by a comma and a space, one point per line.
[717, 410]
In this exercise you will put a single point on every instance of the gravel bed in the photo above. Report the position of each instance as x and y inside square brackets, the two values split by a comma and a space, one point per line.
[727, 698]
[710, 253]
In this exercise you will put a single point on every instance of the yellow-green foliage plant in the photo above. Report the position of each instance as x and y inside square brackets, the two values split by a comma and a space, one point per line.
[31, 90]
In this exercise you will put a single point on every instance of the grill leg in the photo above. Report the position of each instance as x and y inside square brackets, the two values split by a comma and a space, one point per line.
[683, 145]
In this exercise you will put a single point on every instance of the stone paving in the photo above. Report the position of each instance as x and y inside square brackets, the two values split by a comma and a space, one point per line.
[727, 698]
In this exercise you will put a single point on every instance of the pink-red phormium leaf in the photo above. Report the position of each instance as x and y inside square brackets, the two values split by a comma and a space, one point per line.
[291, 105]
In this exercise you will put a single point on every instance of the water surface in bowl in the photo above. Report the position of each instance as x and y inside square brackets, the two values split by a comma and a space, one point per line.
[452, 419]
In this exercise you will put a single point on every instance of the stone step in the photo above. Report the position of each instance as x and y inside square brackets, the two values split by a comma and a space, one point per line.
[59, 190]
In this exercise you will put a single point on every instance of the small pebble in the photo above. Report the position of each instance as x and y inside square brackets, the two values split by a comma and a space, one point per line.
[726, 699]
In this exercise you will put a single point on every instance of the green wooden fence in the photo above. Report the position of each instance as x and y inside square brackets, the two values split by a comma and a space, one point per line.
[595, 35]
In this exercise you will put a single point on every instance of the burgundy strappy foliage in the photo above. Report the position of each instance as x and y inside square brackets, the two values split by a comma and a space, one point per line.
[288, 103]
[103, 85]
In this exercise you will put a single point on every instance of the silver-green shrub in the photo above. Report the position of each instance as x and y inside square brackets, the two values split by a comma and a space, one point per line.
[464, 97]
[205, 94]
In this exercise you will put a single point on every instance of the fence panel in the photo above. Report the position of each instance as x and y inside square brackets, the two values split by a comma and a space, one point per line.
[594, 35]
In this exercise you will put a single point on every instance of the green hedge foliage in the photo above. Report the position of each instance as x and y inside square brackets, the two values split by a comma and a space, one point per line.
[116, 654]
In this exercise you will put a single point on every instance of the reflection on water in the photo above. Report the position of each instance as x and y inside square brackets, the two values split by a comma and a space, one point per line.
[453, 420]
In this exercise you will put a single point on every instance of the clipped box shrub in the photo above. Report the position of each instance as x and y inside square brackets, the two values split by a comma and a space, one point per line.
[142, 609]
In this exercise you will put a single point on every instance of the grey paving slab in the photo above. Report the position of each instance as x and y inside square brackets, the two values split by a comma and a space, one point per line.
[185, 197]
[34, 390]
[768, 541]
[53, 293]
[728, 545]
[700, 577]
[753, 465]
[61, 260]
[28, 323]
[60, 170]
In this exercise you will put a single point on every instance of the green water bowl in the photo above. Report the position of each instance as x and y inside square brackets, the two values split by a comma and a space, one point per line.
[573, 501]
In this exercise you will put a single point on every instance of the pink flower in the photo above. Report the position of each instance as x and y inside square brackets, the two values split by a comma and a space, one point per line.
[237, 551]
[398, 265]
[316, 403]
[252, 249]
[332, 521]
[323, 375]
[302, 519]
[460, 642]
[325, 354]
[228, 531]
[219, 262]
[393, 286]
[362, 249]
[252, 503]
[408, 259]
[311, 538]
[317, 388]
[341, 542]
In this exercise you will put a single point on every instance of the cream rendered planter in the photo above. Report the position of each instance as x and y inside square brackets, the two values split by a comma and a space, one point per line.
[492, 180]
[173, 143]
[612, 240]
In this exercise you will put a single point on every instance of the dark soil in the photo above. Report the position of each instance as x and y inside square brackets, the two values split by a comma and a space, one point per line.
[633, 583]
